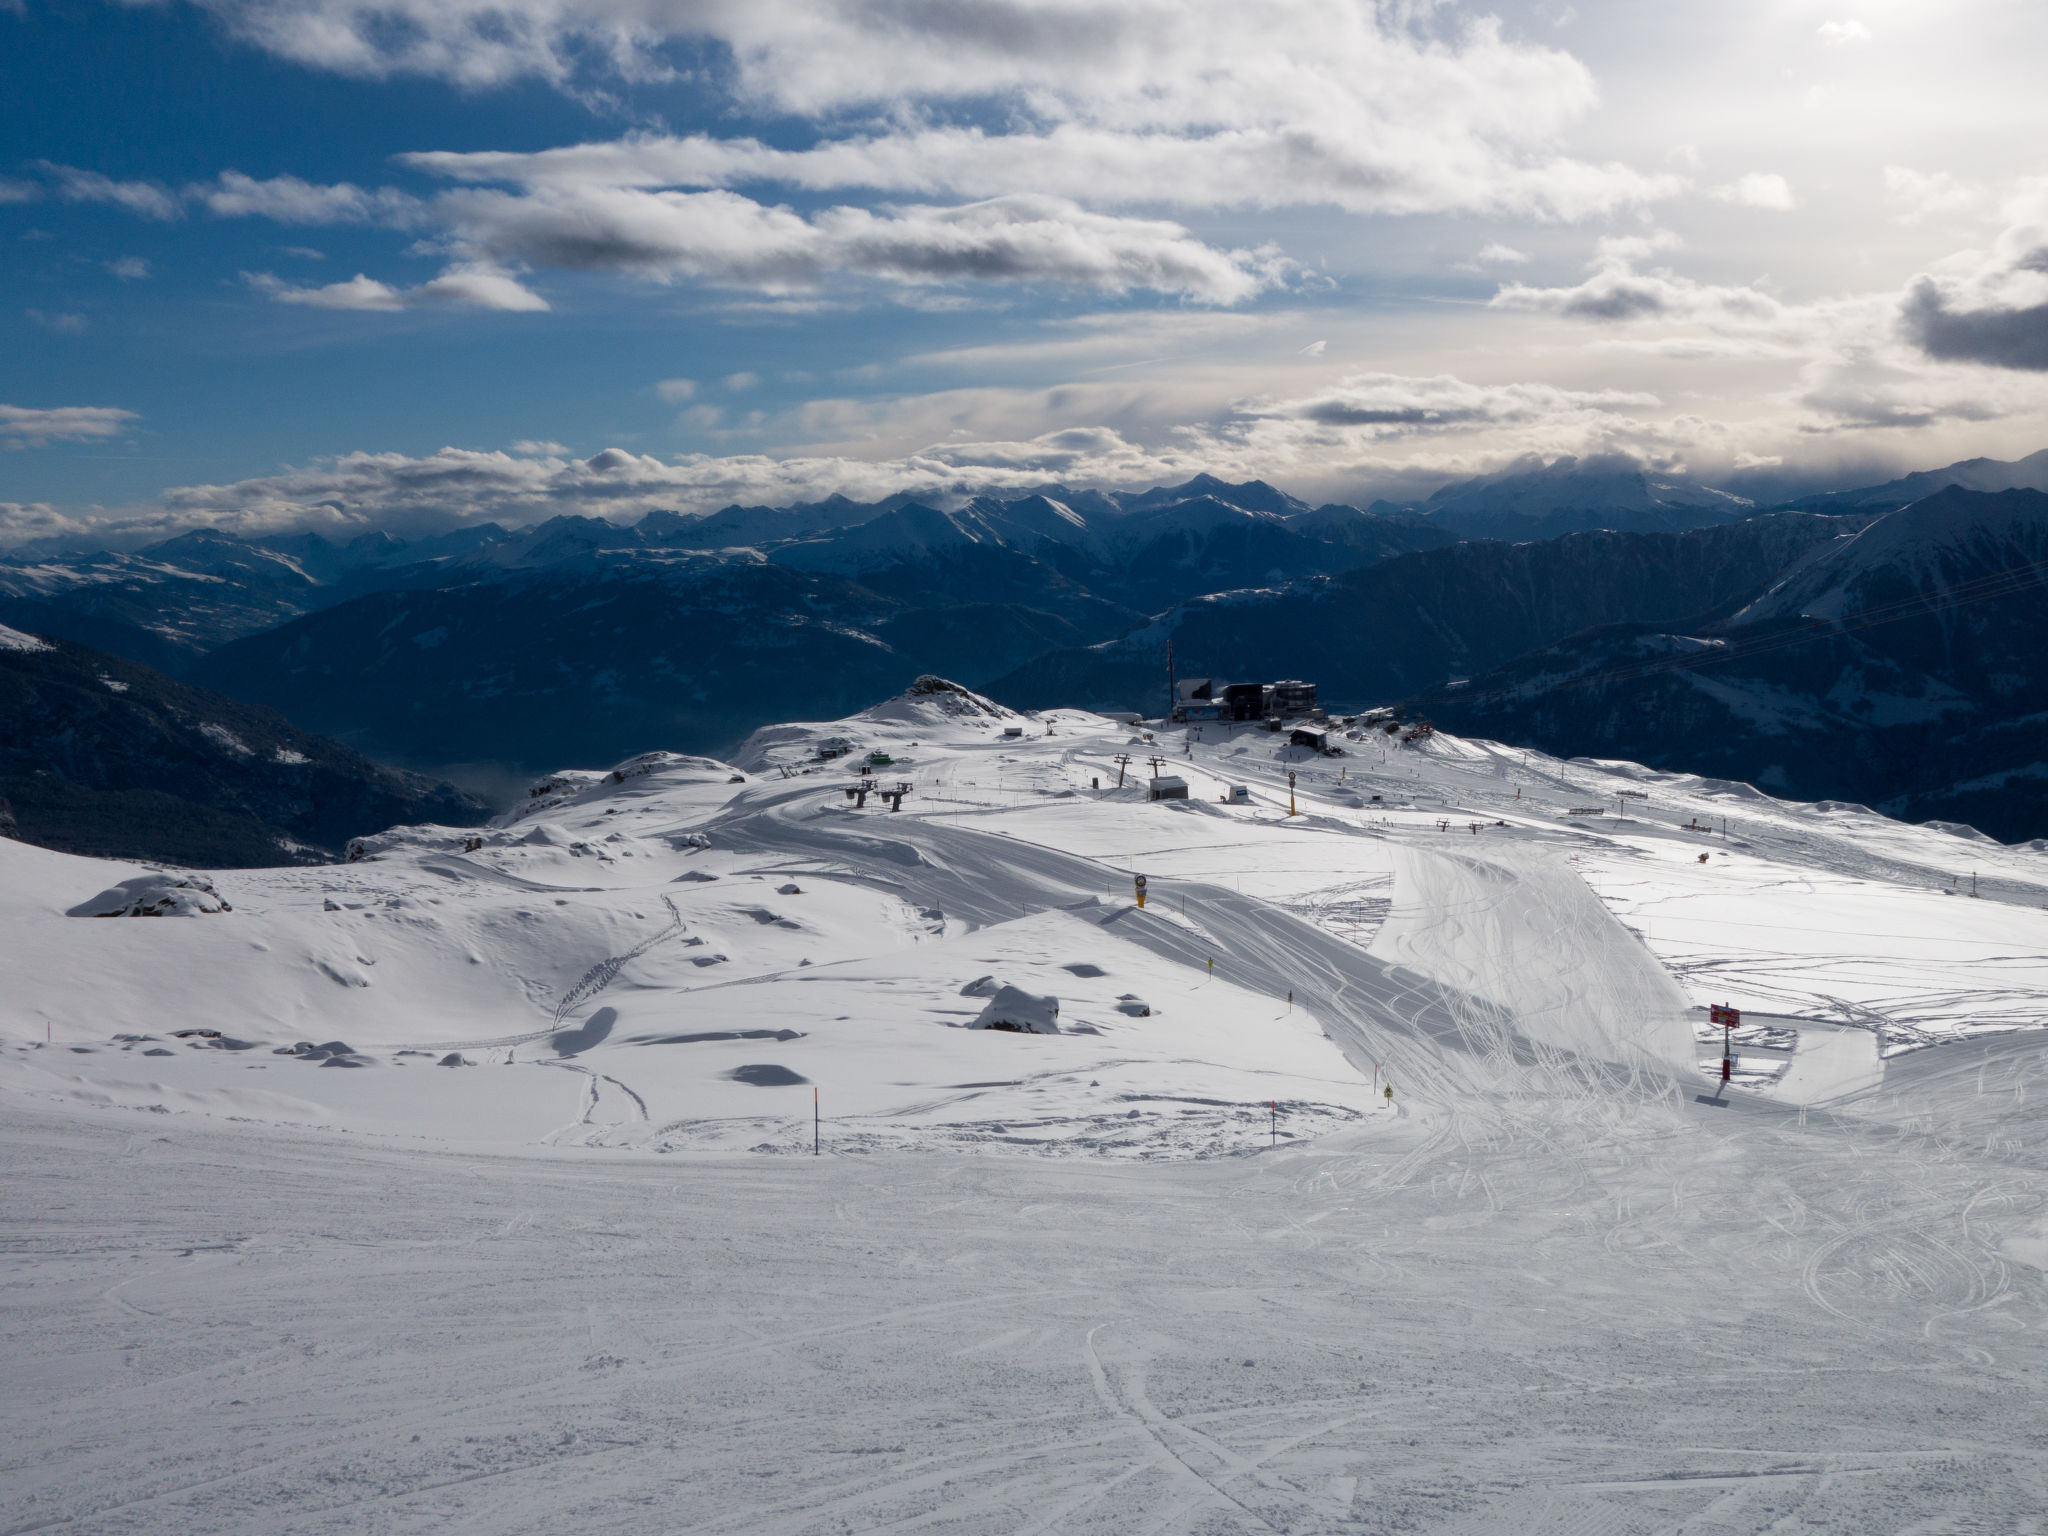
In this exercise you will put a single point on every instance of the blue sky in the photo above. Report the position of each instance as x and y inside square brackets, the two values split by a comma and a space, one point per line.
[322, 263]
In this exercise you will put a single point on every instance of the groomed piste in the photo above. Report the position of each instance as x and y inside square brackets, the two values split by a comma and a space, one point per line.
[708, 1145]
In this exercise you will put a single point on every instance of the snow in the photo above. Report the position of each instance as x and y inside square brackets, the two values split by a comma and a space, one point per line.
[15, 640]
[468, 1185]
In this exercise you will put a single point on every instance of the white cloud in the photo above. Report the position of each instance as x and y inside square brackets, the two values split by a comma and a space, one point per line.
[145, 199]
[64, 324]
[359, 292]
[290, 200]
[740, 381]
[474, 286]
[129, 268]
[1497, 254]
[34, 522]
[1837, 34]
[725, 238]
[361, 490]
[1617, 291]
[1315, 349]
[1385, 404]
[12, 191]
[1917, 196]
[23, 427]
[675, 391]
[1759, 189]
[1191, 103]
[541, 448]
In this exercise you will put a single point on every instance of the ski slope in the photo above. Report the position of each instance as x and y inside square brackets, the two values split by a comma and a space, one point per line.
[468, 1186]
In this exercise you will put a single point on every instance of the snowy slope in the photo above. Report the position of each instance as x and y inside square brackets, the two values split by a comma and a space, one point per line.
[1177, 1268]
[1439, 913]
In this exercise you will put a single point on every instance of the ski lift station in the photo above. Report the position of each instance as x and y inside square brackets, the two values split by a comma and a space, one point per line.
[1205, 698]
[1237, 794]
[1170, 787]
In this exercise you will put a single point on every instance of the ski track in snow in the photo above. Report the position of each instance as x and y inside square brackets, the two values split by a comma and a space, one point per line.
[1565, 1286]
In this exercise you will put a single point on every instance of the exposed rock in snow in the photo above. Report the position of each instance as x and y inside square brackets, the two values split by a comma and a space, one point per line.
[1026, 1013]
[157, 895]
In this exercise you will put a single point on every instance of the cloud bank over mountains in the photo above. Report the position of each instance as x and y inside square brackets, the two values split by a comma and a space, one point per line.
[1336, 243]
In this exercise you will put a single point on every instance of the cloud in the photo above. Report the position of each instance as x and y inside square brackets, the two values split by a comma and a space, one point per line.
[12, 191]
[1314, 349]
[1383, 168]
[1989, 307]
[1862, 388]
[363, 490]
[1758, 189]
[541, 449]
[62, 324]
[473, 286]
[1392, 404]
[2004, 337]
[290, 200]
[1210, 103]
[1837, 34]
[675, 391]
[22, 427]
[740, 381]
[725, 238]
[144, 199]
[129, 268]
[1498, 254]
[1333, 440]
[1617, 292]
[1918, 196]
[37, 522]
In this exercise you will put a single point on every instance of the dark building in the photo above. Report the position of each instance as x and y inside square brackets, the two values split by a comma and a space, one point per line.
[1292, 698]
[1244, 701]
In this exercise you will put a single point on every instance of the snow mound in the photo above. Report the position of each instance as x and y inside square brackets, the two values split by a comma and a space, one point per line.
[1025, 1013]
[648, 771]
[157, 895]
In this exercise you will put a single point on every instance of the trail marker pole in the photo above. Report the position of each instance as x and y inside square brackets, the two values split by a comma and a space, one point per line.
[1727, 1018]
[1274, 1108]
[1290, 794]
[814, 1122]
[1138, 883]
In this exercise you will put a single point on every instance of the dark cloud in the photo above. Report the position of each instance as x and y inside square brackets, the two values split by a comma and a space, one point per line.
[2004, 338]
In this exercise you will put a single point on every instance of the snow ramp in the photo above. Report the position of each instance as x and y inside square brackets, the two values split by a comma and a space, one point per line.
[1570, 1004]
[1519, 928]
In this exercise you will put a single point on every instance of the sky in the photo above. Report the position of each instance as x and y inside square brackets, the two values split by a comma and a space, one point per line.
[283, 264]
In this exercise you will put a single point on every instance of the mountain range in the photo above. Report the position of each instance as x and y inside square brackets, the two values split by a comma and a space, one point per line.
[582, 639]
[1900, 666]
[105, 756]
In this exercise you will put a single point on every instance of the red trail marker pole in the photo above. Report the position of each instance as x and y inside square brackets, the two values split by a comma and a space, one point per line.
[1727, 1018]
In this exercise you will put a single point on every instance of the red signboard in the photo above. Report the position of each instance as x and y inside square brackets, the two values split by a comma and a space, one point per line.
[1725, 1016]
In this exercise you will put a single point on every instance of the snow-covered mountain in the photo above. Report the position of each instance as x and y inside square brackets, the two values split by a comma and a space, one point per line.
[1540, 500]
[1899, 666]
[1395, 627]
[2027, 474]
